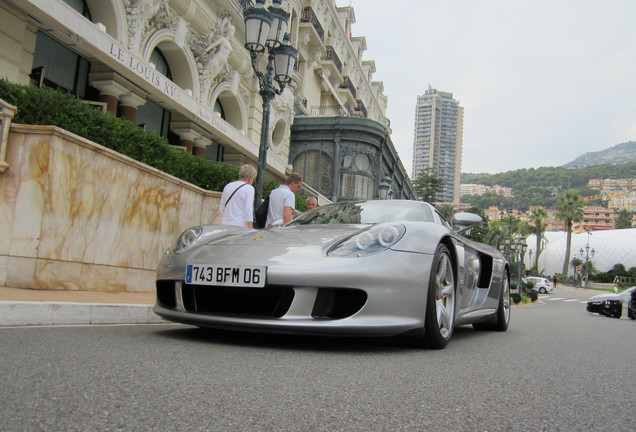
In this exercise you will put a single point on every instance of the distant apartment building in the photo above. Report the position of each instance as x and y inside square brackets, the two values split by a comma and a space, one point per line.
[612, 185]
[437, 144]
[596, 218]
[625, 201]
[479, 189]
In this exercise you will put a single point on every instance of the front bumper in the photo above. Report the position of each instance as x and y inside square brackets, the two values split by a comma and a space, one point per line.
[381, 295]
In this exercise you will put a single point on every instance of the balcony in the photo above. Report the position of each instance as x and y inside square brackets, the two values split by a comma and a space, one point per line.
[331, 55]
[331, 111]
[362, 109]
[348, 85]
[309, 22]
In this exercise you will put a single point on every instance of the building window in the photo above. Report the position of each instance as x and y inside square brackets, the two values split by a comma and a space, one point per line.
[214, 152]
[218, 108]
[354, 186]
[80, 6]
[316, 169]
[154, 118]
[161, 64]
[58, 67]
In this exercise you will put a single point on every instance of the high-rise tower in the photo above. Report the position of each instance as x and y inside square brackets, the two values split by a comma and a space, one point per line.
[439, 122]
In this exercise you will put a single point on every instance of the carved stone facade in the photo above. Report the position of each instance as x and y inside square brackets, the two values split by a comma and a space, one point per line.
[180, 68]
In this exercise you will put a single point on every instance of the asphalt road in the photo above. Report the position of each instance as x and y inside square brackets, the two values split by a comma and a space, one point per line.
[557, 368]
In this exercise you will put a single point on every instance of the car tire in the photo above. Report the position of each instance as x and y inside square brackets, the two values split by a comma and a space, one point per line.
[542, 290]
[503, 310]
[440, 306]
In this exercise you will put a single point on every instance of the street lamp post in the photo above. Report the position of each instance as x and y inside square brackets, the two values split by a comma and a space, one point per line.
[587, 256]
[521, 249]
[384, 187]
[265, 31]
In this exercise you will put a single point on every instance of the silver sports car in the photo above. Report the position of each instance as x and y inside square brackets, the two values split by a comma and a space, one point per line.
[372, 268]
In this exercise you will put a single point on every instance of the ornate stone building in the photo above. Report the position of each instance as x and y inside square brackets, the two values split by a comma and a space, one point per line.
[179, 68]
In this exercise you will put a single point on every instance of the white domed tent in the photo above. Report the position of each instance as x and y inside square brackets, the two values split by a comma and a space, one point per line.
[611, 247]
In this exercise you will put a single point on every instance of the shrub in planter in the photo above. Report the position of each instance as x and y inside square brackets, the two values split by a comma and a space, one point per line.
[533, 295]
[516, 298]
[47, 107]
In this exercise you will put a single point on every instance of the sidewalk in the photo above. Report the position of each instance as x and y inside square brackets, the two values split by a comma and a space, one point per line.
[23, 307]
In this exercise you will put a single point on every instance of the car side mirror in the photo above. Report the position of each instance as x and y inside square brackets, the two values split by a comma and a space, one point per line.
[463, 221]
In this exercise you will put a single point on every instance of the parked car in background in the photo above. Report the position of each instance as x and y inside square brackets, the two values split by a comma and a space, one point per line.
[373, 268]
[541, 284]
[612, 305]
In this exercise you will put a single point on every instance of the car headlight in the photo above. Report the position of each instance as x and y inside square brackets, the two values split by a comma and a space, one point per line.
[186, 239]
[369, 242]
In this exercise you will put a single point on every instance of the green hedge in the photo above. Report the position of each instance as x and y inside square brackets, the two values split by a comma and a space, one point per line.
[43, 106]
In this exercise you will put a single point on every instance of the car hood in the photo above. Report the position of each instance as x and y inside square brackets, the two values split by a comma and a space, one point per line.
[603, 297]
[294, 235]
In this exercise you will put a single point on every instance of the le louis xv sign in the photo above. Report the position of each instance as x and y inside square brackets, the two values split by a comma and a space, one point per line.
[146, 72]
[143, 70]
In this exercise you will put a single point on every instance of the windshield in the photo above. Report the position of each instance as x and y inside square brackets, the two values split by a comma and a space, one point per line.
[366, 212]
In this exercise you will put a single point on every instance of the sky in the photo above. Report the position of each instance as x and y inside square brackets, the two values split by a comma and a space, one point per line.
[541, 81]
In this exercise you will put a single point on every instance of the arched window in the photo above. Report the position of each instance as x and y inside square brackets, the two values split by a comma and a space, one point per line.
[152, 116]
[316, 169]
[161, 64]
[80, 6]
[218, 108]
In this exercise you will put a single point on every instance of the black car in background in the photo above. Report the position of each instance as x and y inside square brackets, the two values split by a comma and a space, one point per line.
[611, 305]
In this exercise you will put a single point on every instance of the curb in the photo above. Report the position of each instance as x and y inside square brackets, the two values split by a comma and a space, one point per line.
[29, 313]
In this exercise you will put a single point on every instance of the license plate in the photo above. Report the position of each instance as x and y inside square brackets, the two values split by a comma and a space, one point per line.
[221, 275]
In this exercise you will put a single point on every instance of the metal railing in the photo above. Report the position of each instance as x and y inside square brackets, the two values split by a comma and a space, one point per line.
[331, 55]
[309, 16]
[362, 108]
[348, 84]
[331, 110]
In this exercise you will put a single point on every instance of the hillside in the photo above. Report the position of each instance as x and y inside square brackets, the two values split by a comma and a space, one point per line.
[620, 153]
[540, 186]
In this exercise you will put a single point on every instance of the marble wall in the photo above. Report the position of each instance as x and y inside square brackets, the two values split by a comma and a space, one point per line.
[78, 216]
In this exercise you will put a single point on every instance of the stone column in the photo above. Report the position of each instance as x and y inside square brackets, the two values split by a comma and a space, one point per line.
[190, 134]
[110, 91]
[199, 147]
[128, 104]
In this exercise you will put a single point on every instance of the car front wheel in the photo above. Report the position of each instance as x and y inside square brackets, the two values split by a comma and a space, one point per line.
[440, 306]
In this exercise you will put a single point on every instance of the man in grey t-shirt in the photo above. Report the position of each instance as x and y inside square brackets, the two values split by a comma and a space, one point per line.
[282, 200]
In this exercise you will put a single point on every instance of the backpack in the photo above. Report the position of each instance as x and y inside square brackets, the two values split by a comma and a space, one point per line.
[260, 215]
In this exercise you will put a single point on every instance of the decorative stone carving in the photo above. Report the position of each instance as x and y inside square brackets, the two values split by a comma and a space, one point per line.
[212, 54]
[139, 12]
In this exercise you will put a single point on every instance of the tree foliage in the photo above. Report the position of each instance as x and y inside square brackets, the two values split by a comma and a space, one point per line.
[428, 185]
[569, 209]
[624, 219]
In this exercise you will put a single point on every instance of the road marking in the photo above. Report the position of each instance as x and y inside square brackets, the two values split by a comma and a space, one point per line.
[556, 298]
[572, 300]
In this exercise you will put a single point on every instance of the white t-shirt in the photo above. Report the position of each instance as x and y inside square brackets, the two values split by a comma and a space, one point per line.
[239, 210]
[280, 198]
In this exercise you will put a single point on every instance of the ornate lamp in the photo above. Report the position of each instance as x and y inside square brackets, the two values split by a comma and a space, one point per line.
[265, 31]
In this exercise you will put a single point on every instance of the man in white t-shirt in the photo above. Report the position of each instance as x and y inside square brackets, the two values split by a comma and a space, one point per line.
[237, 200]
[282, 200]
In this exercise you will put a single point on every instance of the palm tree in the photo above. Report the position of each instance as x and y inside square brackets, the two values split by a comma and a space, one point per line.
[497, 233]
[569, 210]
[538, 215]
